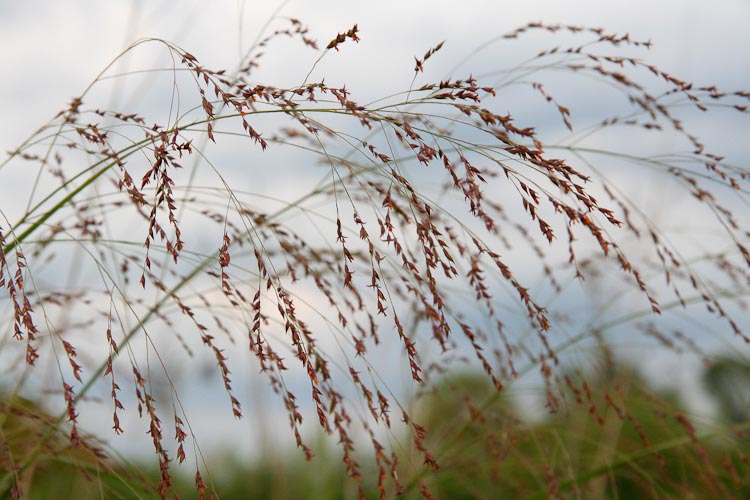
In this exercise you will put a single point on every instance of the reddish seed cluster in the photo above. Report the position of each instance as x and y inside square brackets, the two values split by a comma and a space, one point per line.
[297, 29]
[23, 322]
[341, 38]
[420, 62]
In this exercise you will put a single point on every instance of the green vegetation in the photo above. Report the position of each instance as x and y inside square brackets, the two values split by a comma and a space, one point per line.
[636, 447]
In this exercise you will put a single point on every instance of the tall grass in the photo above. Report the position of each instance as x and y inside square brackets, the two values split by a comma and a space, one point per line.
[422, 233]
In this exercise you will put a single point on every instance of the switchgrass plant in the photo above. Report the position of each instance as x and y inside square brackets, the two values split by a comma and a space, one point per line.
[354, 253]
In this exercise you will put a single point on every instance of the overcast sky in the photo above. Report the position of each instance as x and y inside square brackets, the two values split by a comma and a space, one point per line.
[51, 50]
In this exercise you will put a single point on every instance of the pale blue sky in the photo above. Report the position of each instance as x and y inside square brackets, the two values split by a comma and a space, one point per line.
[51, 50]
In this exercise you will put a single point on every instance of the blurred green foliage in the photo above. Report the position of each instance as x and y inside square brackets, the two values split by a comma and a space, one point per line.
[45, 465]
[609, 436]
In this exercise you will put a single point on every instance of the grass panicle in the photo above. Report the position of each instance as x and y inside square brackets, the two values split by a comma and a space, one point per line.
[433, 223]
